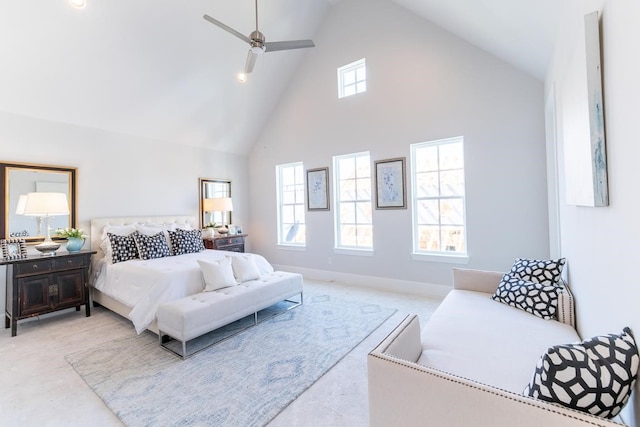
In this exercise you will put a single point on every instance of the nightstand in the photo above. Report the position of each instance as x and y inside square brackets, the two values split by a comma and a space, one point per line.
[43, 284]
[232, 243]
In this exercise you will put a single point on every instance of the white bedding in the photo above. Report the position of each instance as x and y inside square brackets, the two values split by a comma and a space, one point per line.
[143, 285]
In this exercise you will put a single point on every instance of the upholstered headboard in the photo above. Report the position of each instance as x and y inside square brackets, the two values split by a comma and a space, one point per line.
[97, 225]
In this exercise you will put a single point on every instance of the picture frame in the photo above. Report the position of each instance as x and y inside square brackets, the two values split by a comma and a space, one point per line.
[318, 189]
[13, 248]
[391, 187]
[238, 230]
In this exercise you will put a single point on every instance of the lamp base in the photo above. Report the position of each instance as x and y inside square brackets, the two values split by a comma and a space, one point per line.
[47, 248]
[223, 230]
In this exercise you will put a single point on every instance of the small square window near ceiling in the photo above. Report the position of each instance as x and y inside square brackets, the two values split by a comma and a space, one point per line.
[352, 78]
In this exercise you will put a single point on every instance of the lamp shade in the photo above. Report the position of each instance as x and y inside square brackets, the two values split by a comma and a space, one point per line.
[22, 201]
[220, 204]
[49, 204]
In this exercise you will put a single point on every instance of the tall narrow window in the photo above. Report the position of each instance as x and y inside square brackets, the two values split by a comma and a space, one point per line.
[353, 217]
[352, 78]
[290, 189]
[439, 197]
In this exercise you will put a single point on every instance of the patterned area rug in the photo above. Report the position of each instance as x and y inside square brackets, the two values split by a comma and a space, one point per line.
[245, 380]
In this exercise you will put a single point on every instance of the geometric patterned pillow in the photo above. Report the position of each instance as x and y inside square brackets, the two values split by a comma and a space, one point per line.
[595, 376]
[123, 248]
[186, 241]
[539, 300]
[543, 271]
[150, 247]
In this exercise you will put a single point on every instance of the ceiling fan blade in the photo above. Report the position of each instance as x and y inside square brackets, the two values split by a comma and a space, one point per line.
[291, 44]
[227, 28]
[251, 62]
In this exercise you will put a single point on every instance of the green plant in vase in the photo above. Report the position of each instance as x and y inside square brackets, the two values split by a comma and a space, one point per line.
[75, 238]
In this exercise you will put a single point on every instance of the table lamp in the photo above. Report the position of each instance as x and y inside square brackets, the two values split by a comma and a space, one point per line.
[46, 205]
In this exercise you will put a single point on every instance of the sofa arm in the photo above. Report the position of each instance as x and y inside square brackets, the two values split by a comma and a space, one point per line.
[404, 393]
[476, 280]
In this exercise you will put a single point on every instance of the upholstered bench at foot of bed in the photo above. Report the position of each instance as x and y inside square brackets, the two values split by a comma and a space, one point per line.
[190, 317]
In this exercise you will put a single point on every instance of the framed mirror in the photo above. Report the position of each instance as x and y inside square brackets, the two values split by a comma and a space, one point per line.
[20, 179]
[213, 189]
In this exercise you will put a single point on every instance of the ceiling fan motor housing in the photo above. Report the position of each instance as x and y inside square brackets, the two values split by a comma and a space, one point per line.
[257, 42]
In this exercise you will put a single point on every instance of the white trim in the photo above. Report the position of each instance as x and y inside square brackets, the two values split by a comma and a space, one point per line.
[388, 284]
[359, 252]
[300, 248]
[444, 258]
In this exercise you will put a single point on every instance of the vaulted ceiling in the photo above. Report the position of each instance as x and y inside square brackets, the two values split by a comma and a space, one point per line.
[156, 69]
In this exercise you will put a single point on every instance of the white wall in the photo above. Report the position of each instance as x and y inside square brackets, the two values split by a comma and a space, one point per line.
[600, 244]
[121, 175]
[423, 84]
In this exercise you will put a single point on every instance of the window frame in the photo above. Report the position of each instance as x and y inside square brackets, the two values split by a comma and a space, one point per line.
[439, 255]
[337, 225]
[342, 71]
[297, 204]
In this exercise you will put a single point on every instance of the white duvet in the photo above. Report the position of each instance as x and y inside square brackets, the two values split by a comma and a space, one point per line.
[143, 285]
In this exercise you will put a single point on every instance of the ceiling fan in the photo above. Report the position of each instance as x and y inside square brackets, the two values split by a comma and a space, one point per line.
[258, 44]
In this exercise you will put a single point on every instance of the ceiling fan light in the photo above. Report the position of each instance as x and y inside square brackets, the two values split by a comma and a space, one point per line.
[78, 4]
[258, 50]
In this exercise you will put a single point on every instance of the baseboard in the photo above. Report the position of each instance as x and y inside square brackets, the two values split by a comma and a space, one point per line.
[379, 283]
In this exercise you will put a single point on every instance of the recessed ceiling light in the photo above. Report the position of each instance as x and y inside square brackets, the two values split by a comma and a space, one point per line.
[78, 4]
[242, 77]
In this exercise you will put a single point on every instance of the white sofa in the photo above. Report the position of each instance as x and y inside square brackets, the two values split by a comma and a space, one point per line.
[470, 363]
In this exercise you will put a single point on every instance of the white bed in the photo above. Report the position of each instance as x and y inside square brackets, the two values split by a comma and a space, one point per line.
[135, 288]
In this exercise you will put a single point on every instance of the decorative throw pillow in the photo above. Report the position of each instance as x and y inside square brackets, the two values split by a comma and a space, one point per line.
[543, 271]
[217, 274]
[186, 241]
[105, 242]
[244, 268]
[123, 248]
[150, 247]
[534, 298]
[595, 376]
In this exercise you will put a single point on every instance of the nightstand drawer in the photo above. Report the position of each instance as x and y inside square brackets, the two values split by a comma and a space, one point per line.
[73, 262]
[33, 267]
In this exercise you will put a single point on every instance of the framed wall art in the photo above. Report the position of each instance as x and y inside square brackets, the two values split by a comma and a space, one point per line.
[13, 248]
[318, 189]
[391, 186]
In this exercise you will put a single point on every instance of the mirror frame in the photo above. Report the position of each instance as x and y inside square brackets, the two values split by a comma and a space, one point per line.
[201, 184]
[5, 167]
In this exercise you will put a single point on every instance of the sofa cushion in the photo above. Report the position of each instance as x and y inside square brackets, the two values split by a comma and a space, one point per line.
[595, 376]
[472, 336]
[539, 300]
[543, 271]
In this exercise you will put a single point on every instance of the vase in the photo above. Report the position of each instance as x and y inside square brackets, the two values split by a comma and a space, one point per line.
[74, 244]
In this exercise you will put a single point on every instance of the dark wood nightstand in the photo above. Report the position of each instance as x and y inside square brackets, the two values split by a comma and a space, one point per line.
[232, 243]
[43, 284]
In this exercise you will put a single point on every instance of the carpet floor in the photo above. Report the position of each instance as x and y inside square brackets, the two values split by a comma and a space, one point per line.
[245, 380]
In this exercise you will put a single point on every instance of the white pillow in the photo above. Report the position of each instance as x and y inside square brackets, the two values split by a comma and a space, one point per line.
[105, 243]
[245, 268]
[217, 274]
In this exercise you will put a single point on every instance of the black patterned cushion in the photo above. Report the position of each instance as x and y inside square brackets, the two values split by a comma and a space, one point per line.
[534, 298]
[595, 376]
[186, 241]
[150, 247]
[123, 248]
[543, 271]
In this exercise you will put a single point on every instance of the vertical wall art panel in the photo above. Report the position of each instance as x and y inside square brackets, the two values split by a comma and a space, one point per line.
[583, 123]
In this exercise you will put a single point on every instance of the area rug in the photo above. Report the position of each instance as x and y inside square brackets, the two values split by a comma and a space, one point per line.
[245, 380]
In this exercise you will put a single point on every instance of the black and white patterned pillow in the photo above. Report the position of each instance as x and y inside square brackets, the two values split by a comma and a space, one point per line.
[534, 298]
[186, 241]
[543, 271]
[595, 376]
[150, 247]
[123, 248]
